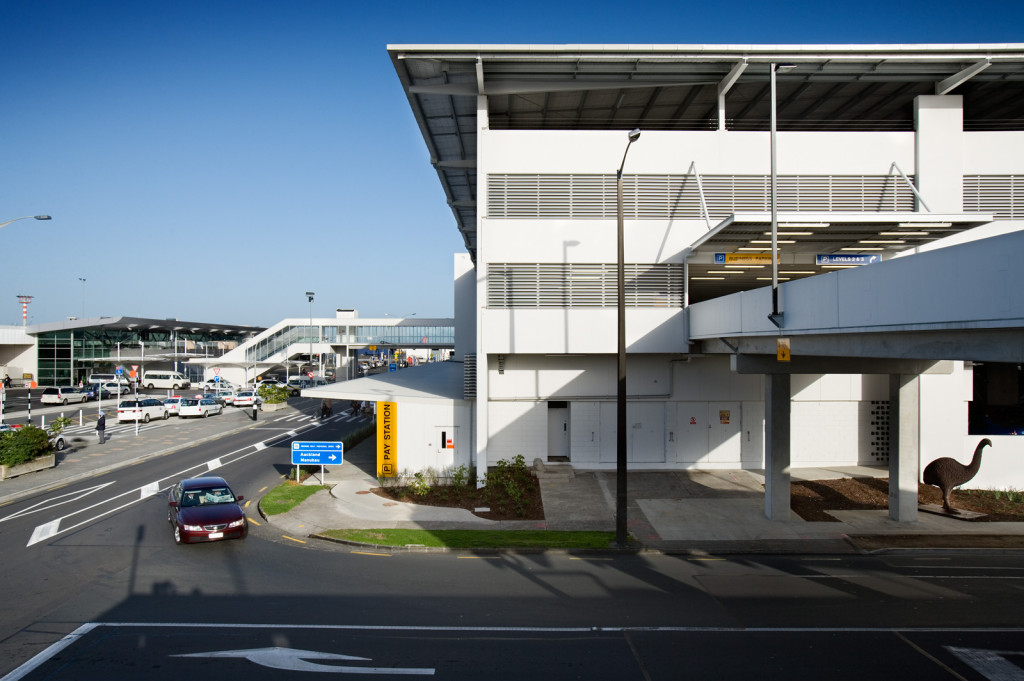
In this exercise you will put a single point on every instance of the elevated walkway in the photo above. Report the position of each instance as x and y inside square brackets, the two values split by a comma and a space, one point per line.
[902, 317]
[963, 302]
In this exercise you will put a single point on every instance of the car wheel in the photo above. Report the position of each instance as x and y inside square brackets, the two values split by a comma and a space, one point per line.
[174, 387]
[177, 534]
[166, 416]
[205, 414]
[150, 386]
[145, 418]
[65, 401]
[59, 445]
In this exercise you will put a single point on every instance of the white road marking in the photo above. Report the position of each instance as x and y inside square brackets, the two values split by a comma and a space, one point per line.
[55, 527]
[53, 503]
[43, 532]
[294, 660]
[990, 663]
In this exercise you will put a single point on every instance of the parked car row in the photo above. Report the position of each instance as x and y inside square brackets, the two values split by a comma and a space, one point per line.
[143, 410]
[70, 394]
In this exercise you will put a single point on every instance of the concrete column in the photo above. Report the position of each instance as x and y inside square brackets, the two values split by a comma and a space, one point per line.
[939, 151]
[904, 446]
[776, 446]
[480, 427]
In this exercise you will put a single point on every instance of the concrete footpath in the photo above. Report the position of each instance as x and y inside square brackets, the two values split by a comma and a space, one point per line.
[671, 511]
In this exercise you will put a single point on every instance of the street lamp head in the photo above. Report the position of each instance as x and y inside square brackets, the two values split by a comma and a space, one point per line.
[634, 135]
[42, 217]
[310, 294]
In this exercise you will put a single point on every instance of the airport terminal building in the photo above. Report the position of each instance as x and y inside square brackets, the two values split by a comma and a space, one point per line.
[821, 251]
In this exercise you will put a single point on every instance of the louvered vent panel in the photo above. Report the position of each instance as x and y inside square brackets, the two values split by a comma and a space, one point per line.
[560, 286]
[661, 197]
[1000, 195]
[469, 377]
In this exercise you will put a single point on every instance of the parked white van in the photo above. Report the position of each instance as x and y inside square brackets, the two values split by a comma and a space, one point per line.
[165, 379]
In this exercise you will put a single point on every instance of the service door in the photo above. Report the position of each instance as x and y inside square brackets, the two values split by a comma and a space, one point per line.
[691, 434]
[724, 430]
[558, 433]
[646, 423]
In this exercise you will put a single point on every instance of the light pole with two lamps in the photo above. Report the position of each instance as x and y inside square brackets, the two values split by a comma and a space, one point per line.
[620, 435]
[82, 279]
[310, 294]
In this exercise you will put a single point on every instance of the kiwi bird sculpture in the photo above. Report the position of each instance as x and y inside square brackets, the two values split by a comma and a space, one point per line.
[947, 473]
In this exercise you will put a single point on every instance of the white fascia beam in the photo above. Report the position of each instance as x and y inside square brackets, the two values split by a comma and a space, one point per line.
[724, 86]
[954, 81]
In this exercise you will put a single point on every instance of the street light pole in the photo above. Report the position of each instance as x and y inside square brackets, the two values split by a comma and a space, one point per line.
[620, 438]
[82, 279]
[34, 217]
[776, 317]
[310, 294]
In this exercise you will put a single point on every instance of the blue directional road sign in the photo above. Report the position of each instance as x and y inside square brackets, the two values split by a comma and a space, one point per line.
[317, 453]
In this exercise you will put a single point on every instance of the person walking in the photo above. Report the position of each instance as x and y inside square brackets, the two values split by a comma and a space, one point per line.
[101, 426]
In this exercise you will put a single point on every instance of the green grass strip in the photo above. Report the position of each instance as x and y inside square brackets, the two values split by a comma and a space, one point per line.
[287, 496]
[478, 539]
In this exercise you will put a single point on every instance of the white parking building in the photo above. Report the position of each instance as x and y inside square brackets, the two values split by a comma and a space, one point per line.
[865, 342]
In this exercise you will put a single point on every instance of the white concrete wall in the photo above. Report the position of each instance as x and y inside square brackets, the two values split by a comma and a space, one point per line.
[420, 425]
[517, 428]
[714, 152]
[465, 306]
[939, 120]
[590, 331]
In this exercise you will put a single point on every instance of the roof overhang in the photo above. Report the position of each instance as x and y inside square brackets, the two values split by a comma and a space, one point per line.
[142, 324]
[688, 87]
[433, 382]
[735, 255]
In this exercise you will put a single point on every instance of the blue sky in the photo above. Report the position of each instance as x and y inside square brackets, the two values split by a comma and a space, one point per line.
[211, 160]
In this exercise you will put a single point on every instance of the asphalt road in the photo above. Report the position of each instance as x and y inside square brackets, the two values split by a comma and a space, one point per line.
[134, 605]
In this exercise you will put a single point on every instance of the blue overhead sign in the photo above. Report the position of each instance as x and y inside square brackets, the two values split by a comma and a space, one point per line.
[847, 259]
[317, 453]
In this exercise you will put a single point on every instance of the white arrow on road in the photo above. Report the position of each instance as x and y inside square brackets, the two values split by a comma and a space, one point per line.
[990, 663]
[294, 660]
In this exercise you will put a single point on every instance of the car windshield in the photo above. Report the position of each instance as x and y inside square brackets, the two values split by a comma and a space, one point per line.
[207, 496]
[189, 403]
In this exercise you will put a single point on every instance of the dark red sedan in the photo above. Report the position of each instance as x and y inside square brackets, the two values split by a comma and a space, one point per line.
[205, 509]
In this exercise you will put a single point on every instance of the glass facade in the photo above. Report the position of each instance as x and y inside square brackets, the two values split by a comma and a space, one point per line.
[68, 356]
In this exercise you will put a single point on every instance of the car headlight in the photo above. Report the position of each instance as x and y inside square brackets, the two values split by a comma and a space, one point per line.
[193, 528]
[238, 523]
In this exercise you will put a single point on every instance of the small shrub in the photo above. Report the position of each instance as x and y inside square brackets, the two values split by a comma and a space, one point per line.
[419, 485]
[23, 445]
[58, 425]
[460, 477]
[506, 484]
[273, 394]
